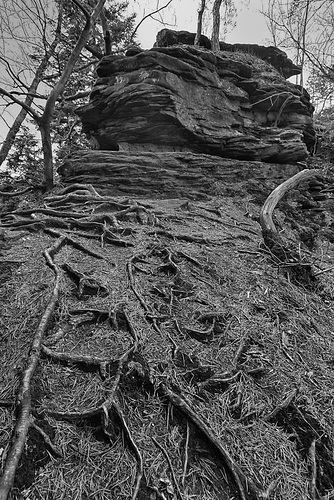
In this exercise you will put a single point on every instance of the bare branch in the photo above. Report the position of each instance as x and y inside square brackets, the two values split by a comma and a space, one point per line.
[27, 108]
[147, 16]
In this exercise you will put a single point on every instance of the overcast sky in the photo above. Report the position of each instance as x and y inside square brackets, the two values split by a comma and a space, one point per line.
[250, 23]
[182, 15]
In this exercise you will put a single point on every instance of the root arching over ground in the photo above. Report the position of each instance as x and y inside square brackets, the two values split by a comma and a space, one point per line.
[155, 349]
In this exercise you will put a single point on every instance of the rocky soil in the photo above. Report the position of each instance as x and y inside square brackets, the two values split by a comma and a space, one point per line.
[175, 355]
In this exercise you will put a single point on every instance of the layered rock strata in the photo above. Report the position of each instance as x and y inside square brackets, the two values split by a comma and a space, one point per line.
[273, 55]
[165, 174]
[184, 98]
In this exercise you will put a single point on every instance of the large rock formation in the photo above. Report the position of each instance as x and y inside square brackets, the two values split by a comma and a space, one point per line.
[184, 98]
[169, 175]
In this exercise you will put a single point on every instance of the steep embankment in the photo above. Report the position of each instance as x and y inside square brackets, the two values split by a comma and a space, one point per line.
[182, 359]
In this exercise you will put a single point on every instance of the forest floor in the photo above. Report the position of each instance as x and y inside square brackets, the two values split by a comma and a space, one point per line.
[175, 356]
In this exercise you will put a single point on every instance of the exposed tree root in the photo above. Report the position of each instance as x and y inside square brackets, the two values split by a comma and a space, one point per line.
[220, 381]
[203, 336]
[51, 447]
[103, 364]
[102, 223]
[186, 455]
[247, 489]
[266, 221]
[287, 254]
[285, 403]
[269, 231]
[77, 193]
[186, 237]
[80, 187]
[16, 193]
[85, 284]
[134, 447]
[45, 211]
[313, 488]
[179, 494]
[24, 396]
[109, 408]
[74, 243]
[148, 312]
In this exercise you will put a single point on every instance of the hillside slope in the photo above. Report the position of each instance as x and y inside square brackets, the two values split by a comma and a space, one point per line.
[182, 359]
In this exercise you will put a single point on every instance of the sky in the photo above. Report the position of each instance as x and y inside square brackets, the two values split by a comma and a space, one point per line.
[182, 15]
[250, 23]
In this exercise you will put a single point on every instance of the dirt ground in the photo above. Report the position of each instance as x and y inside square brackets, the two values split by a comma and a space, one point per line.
[175, 356]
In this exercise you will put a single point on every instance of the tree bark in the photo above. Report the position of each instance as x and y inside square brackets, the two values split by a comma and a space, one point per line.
[199, 24]
[216, 25]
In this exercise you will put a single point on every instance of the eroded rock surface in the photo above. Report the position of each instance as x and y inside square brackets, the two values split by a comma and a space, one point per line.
[184, 98]
[273, 55]
[166, 174]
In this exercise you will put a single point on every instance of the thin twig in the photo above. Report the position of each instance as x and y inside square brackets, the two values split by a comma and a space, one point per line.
[135, 450]
[147, 16]
[55, 452]
[313, 488]
[185, 465]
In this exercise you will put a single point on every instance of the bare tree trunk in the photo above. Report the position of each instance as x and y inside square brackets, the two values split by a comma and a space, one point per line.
[45, 120]
[106, 34]
[302, 62]
[199, 23]
[10, 137]
[45, 131]
[216, 25]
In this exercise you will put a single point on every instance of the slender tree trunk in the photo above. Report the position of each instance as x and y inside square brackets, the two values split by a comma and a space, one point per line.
[58, 89]
[106, 34]
[216, 25]
[199, 23]
[10, 137]
[302, 62]
[45, 130]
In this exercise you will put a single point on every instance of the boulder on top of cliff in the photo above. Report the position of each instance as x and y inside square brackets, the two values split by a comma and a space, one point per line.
[167, 37]
[273, 55]
[185, 98]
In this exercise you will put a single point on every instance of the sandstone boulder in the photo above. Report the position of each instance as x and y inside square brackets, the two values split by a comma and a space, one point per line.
[184, 98]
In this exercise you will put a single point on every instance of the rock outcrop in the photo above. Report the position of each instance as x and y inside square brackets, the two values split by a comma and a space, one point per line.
[184, 98]
[170, 175]
[272, 55]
